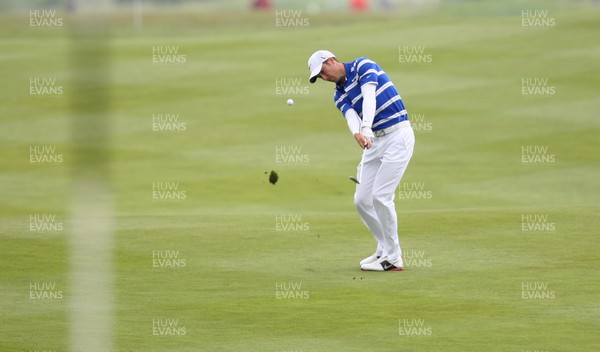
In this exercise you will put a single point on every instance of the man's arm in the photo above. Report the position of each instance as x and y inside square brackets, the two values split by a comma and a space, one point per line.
[369, 103]
[353, 121]
[352, 118]
[354, 126]
[368, 111]
[368, 73]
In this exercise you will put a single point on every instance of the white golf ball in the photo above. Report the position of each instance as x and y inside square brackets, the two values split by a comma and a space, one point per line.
[290, 102]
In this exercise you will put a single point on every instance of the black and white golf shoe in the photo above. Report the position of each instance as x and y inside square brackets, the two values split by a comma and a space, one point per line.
[370, 259]
[383, 264]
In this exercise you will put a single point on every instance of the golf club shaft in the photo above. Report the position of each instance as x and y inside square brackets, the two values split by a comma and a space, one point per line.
[362, 163]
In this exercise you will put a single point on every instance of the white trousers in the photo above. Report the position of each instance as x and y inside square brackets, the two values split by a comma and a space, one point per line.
[384, 165]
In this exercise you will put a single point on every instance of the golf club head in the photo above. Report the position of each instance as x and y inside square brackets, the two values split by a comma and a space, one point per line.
[354, 179]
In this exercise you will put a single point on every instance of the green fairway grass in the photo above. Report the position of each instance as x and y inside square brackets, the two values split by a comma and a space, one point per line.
[500, 255]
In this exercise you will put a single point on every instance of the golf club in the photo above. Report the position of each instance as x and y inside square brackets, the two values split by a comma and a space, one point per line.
[360, 169]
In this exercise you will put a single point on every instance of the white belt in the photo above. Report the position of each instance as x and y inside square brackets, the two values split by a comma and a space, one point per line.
[388, 130]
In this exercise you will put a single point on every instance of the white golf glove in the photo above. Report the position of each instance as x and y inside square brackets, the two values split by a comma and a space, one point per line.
[367, 133]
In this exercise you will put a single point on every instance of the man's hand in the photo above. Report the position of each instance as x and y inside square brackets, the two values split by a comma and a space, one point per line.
[365, 138]
[367, 133]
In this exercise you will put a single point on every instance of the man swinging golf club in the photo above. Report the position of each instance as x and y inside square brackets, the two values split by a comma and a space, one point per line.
[379, 122]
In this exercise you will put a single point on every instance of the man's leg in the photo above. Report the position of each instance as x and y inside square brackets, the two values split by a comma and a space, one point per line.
[398, 150]
[363, 198]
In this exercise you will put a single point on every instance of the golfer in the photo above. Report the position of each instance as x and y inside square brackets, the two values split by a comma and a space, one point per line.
[379, 122]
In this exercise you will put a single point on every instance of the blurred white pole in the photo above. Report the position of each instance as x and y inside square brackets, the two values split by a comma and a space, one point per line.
[93, 6]
[91, 277]
[138, 13]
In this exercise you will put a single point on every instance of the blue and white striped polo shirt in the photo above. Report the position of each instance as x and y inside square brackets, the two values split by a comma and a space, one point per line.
[389, 109]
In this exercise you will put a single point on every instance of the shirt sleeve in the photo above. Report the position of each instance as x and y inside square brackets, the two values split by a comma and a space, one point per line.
[369, 104]
[342, 102]
[367, 72]
[353, 121]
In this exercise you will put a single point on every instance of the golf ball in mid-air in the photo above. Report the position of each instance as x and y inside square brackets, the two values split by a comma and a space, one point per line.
[290, 102]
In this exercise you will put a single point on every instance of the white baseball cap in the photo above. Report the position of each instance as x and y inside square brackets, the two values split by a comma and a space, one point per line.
[315, 62]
